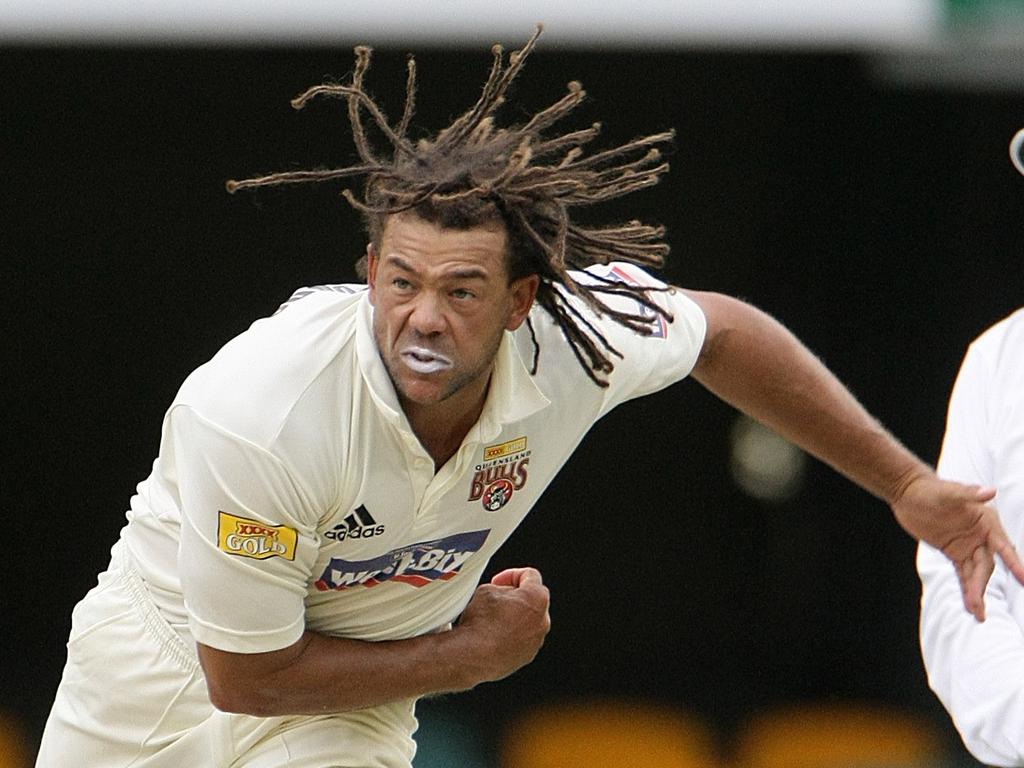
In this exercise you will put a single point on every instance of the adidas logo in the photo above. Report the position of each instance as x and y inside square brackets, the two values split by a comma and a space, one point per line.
[359, 525]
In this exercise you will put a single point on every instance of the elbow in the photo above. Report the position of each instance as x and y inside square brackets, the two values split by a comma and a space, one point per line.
[245, 684]
[226, 699]
[239, 700]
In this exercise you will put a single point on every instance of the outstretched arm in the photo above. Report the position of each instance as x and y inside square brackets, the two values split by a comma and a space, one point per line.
[500, 631]
[752, 362]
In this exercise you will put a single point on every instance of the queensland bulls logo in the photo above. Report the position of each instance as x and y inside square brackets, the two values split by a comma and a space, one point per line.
[502, 473]
[497, 495]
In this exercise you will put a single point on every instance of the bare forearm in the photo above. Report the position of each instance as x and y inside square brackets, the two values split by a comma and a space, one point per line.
[755, 364]
[500, 630]
[330, 674]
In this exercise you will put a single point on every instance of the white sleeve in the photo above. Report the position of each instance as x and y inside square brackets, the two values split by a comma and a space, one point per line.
[652, 362]
[248, 537]
[976, 670]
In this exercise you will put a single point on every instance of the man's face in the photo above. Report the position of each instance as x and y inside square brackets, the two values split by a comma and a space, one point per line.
[442, 301]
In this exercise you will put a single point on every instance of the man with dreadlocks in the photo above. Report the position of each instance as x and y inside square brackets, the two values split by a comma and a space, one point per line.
[332, 484]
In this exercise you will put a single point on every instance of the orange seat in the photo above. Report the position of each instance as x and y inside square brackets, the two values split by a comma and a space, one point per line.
[14, 752]
[609, 734]
[837, 736]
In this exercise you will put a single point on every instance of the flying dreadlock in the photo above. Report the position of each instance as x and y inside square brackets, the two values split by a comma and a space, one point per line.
[473, 172]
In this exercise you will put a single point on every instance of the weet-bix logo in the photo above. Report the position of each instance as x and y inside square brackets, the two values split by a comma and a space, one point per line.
[358, 525]
[416, 565]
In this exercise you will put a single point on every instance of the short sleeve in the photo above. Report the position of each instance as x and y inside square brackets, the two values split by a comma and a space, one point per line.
[248, 537]
[646, 363]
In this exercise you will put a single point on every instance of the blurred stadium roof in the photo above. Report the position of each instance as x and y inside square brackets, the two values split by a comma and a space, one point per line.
[956, 43]
[758, 23]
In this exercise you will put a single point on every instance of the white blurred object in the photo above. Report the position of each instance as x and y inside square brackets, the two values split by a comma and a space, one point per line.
[450, 22]
[1017, 150]
[765, 465]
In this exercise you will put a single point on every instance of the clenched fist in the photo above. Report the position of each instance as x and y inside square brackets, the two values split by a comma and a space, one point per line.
[505, 623]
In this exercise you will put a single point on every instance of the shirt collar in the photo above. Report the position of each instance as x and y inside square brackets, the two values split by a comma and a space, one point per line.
[513, 394]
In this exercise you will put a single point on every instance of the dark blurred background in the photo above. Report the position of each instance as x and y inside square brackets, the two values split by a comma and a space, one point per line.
[861, 194]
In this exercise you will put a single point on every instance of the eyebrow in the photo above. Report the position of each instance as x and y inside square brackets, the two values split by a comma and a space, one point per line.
[459, 273]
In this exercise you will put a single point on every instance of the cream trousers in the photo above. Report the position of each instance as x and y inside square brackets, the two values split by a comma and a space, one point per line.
[133, 695]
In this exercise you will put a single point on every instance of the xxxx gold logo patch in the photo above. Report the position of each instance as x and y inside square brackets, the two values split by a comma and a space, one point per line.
[251, 538]
[504, 449]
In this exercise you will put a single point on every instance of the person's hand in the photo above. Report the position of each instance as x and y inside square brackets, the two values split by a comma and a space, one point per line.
[505, 623]
[958, 520]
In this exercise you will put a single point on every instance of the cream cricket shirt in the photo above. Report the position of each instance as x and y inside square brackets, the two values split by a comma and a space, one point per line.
[290, 491]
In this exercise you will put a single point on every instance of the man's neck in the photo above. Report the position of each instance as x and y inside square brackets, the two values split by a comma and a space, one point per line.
[441, 427]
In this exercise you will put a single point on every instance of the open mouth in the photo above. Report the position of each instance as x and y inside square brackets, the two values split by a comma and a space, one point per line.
[422, 360]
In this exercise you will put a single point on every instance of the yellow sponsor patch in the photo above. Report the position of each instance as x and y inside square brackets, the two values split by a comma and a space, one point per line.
[505, 449]
[251, 538]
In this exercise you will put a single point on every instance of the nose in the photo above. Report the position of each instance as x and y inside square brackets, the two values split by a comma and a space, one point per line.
[427, 316]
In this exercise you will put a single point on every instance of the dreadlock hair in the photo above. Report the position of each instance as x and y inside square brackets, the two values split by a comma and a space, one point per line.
[473, 173]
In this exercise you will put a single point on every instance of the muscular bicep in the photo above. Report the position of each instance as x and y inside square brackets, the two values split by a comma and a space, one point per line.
[726, 319]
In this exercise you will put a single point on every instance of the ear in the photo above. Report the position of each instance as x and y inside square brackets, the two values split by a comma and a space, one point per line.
[371, 270]
[524, 291]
